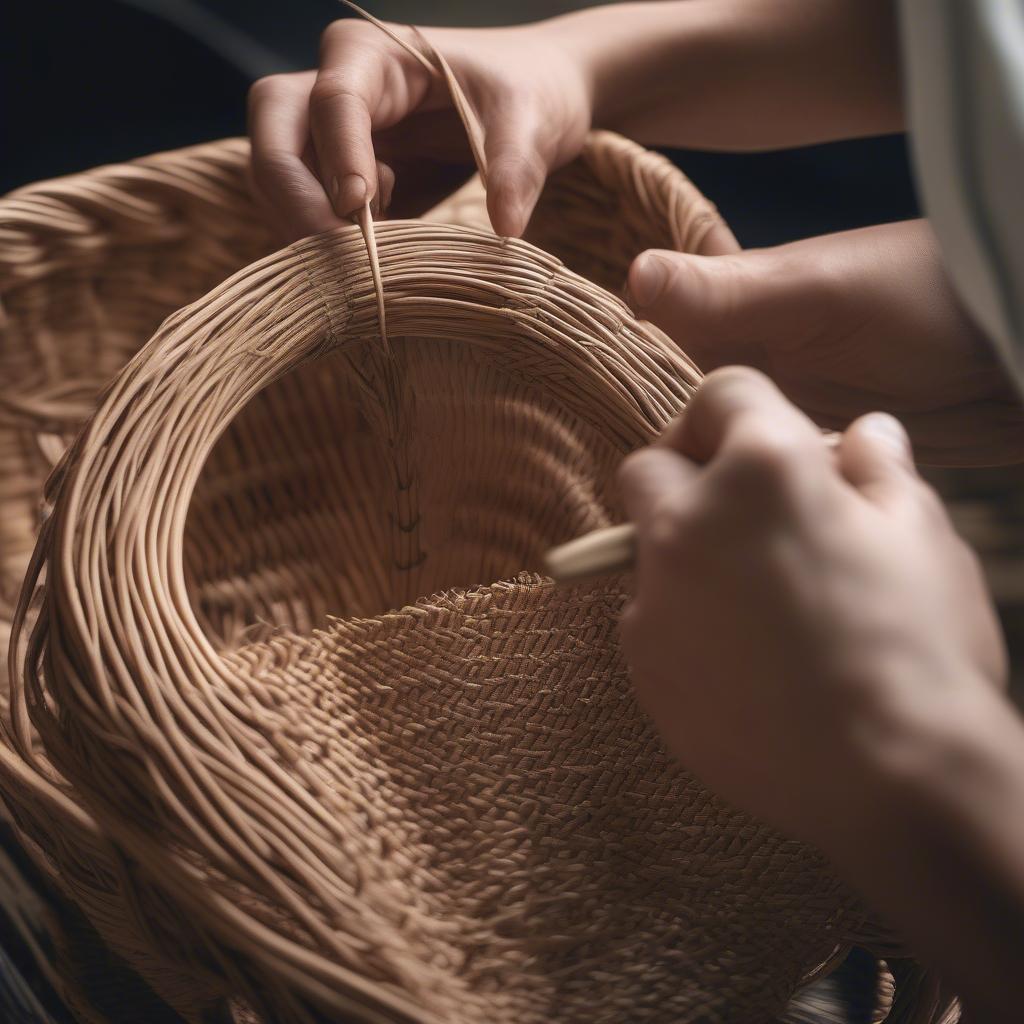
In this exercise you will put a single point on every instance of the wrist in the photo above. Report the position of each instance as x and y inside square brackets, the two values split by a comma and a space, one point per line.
[632, 56]
[940, 854]
[929, 771]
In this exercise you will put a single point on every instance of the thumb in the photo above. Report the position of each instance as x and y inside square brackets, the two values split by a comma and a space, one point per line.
[875, 456]
[709, 305]
[743, 307]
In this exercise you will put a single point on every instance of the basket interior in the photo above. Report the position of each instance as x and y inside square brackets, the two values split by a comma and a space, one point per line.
[293, 517]
[92, 264]
[496, 820]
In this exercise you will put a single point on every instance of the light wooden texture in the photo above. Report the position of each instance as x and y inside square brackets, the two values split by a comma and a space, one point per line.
[401, 814]
[267, 764]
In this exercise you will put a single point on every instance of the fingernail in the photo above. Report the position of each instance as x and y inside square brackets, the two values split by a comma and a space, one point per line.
[518, 220]
[512, 216]
[383, 200]
[888, 430]
[647, 280]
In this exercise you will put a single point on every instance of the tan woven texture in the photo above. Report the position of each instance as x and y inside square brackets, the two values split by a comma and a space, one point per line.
[294, 726]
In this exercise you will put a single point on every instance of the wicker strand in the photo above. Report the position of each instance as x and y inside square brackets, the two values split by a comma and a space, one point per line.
[365, 221]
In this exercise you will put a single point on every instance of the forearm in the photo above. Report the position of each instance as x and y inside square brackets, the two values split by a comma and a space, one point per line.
[943, 851]
[740, 74]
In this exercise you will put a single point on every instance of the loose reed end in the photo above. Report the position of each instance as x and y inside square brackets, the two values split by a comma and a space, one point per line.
[600, 553]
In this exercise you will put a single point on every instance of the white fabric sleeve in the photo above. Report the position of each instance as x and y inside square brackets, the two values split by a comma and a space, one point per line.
[963, 77]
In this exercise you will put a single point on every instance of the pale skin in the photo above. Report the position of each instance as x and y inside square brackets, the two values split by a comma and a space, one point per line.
[844, 667]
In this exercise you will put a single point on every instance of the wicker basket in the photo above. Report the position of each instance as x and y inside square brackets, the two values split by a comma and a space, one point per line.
[269, 767]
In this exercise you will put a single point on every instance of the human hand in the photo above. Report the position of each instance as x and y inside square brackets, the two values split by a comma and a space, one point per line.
[372, 117]
[844, 324]
[803, 620]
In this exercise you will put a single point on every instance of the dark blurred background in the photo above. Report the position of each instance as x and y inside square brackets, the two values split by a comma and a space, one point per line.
[88, 83]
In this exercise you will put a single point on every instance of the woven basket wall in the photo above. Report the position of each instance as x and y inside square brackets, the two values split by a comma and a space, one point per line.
[295, 730]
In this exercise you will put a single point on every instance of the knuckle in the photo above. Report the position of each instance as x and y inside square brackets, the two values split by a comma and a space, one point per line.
[633, 469]
[349, 38]
[344, 30]
[680, 271]
[666, 532]
[764, 456]
[326, 90]
[733, 376]
[266, 89]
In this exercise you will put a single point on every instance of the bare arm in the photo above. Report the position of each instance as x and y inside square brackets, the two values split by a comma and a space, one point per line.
[942, 853]
[741, 74]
